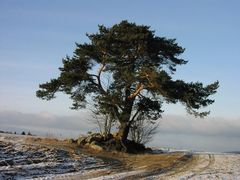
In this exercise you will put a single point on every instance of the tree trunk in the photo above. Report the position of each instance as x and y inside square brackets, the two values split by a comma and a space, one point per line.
[125, 118]
[123, 131]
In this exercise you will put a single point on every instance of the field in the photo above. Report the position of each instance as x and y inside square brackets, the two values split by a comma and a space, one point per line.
[26, 157]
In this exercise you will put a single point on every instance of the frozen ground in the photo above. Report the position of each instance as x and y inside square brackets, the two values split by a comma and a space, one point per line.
[19, 160]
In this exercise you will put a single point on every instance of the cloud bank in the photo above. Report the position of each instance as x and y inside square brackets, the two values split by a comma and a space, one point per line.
[46, 123]
[184, 132]
[208, 126]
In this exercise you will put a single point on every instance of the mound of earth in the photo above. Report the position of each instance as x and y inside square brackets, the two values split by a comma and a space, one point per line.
[109, 142]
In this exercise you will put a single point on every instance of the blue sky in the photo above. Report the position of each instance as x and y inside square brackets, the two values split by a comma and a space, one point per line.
[36, 35]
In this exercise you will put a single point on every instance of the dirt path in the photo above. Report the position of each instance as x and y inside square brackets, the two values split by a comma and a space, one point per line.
[201, 166]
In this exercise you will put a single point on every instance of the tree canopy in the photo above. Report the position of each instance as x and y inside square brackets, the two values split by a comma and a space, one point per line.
[126, 70]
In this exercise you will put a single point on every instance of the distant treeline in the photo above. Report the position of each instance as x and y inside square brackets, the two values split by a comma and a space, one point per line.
[22, 133]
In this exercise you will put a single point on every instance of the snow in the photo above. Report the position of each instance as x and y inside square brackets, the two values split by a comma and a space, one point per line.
[208, 166]
[19, 160]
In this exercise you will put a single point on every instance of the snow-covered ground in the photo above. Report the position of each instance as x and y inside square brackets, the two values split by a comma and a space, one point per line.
[20, 160]
[208, 166]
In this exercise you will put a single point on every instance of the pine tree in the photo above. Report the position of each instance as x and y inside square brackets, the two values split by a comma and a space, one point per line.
[126, 71]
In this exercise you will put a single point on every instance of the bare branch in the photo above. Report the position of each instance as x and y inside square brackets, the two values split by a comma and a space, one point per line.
[134, 116]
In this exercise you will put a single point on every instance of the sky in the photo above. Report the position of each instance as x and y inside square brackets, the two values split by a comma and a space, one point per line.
[36, 35]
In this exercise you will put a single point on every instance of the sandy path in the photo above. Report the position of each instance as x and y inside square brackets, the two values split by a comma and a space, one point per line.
[202, 167]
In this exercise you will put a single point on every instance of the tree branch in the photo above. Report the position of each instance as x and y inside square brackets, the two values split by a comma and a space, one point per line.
[137, 91]
[99, 79]
[134, 116]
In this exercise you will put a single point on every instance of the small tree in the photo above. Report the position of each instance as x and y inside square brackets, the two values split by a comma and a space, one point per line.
[139, 64]
[105, 122]
[142, 131]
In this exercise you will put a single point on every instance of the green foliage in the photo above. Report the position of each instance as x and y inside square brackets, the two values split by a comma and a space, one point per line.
[138, 66]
